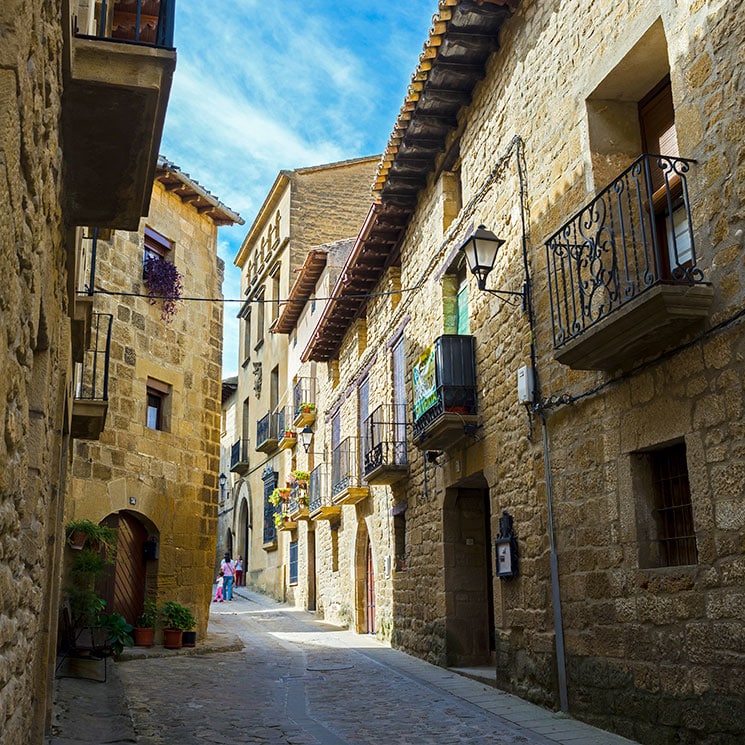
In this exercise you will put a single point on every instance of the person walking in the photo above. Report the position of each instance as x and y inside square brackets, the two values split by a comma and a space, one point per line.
[218, 589]
[239, 571]
[228, 571]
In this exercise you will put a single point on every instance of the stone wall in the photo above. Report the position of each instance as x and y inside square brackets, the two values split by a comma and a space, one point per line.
[34, 364]
[654, 654]
[166, 479]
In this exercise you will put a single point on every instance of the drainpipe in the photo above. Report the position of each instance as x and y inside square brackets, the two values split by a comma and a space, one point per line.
[555, 591]
[554, 560]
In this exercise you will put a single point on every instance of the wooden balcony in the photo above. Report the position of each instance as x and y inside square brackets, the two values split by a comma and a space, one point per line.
[113, 109]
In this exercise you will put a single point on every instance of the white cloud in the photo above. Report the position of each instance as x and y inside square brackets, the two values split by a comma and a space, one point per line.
[261, 87]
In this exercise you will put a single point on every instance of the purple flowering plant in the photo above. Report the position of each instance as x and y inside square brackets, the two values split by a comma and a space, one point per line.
[164, 283]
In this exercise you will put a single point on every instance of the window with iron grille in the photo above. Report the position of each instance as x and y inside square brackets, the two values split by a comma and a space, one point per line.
[664, 514]
[293, 563]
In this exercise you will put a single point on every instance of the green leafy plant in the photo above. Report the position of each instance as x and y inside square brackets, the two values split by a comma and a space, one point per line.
[301, 477]
[148, 619]
[85, 606]
[307, 407]
[119, 631]
[95, 536]
[164, 283]
[177, 616]
[275, 498]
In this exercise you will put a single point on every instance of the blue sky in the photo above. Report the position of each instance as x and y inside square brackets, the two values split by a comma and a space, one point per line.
[265, 86]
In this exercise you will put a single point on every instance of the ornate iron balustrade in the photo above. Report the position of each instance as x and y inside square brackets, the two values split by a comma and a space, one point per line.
[138, 21]
[635, 234]
[384, 438]
[93, 378]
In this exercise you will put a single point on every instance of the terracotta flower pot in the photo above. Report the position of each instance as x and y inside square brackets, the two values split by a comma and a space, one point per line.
[144, 636]
[172, 638]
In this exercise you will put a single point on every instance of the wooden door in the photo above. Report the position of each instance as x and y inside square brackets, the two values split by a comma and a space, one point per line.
[125, 589]
[370, 583]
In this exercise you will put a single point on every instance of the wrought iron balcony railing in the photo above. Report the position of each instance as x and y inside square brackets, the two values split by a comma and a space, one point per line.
[90, 403]
[635, 235]
[321, 505]
[239, 453]
[138, 21]
[93, 378]
[384, 440]
[267, 431]
[345, 466]
[444, 383]
[304, 401]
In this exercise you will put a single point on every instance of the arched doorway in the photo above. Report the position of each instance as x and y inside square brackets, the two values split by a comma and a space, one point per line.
[364, 581]
[469, 600]
[126, 584]
[370, 591]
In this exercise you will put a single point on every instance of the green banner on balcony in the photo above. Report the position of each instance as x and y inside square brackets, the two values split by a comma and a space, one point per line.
[425, 384]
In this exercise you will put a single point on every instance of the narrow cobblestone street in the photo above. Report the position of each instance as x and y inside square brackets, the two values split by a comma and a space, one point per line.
[297, 681]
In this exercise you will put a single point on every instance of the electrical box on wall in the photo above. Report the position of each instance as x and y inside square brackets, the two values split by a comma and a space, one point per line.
[525, 385]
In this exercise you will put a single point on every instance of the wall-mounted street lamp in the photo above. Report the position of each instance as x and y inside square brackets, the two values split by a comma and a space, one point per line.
[222, 479]
[481, 248]
[306, 437]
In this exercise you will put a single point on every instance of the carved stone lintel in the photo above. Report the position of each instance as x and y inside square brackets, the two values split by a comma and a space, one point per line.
[257, 379]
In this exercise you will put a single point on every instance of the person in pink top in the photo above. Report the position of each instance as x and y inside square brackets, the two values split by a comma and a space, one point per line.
[239, 571]
[228, 570]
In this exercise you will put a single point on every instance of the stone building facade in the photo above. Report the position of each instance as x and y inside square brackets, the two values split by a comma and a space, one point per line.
[47, 142]
[153, 472]
[569, 508]
[304, 209]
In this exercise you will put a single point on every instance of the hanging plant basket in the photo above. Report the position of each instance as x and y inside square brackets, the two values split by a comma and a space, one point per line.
[164, 285]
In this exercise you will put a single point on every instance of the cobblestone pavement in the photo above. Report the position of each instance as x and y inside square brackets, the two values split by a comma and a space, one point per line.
[297, 681]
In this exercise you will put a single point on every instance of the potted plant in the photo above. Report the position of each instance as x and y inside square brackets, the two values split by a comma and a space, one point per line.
[119, 631]
[164, 283]
[176, 618]
[81, 533]
[94, 549]
[189, 635]
[301, 477]
[307, 408]
[144, 630]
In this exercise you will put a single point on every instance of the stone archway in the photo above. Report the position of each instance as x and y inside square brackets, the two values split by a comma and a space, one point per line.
[133, 576]
[243, 525]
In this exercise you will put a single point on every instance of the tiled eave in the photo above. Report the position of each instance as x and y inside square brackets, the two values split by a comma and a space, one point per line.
[374, 249]
[190, 192]
[301, 291]
[463, 35]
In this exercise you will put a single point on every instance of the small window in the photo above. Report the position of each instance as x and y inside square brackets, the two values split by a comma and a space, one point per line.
[158, 400]
[260, 302]
[399, 534]
[275, 293]
[156, 245]
[293, 562]
[664, 519]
